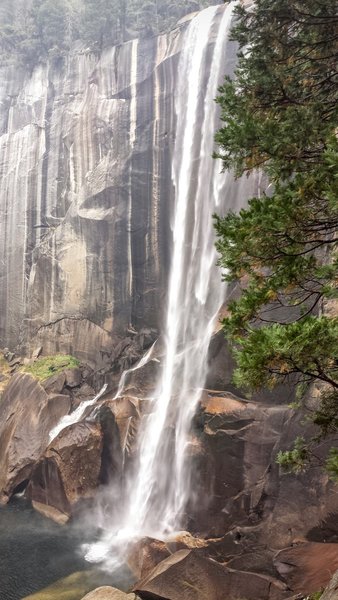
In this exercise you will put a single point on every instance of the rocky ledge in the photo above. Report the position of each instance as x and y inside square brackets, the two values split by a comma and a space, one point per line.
[254, 532]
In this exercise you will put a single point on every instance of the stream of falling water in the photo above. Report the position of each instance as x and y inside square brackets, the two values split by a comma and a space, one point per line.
[158, 493]
[76, 415]
[123, 379]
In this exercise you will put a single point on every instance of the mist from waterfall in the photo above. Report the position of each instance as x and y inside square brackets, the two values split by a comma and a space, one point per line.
[158, 492]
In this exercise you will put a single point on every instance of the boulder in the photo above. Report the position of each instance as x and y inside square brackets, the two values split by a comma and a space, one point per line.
[308, 567]
[186, 574]
[108, 593]
[55, 383]
[81, 393]
[73, 377]
[68, 471]
[27, 414]
[145, 554]
[125, 412]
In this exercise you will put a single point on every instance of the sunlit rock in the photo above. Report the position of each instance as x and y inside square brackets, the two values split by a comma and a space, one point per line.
[145, 554]
[68, 471]
[27, 413]
[307, 567]
[188, 575]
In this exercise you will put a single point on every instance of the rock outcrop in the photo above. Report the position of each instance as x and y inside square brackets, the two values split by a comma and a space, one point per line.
[27, 414]
[242, 486]
[188, 575]
[308, 566]
[85, 177]
[68, 471]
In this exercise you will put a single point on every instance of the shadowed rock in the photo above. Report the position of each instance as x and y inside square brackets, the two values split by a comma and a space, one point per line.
[126, 415]
[238, 483]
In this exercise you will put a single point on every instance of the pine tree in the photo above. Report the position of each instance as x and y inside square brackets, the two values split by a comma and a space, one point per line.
[279, 114]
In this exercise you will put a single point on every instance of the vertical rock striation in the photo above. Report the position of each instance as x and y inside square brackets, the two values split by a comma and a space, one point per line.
[85, 188]
[86, 194]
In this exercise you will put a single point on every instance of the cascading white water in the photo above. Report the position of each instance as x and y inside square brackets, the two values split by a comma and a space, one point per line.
[195, 294]
[76, 415]
[79, 412]
[159, 491]
[123, 379]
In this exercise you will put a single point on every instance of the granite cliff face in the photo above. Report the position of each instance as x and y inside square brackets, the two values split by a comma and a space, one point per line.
[85, 187]
[86, 197]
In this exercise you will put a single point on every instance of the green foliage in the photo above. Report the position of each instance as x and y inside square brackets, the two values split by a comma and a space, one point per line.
[288, 77]
[307, 348]
[52, 19]
[279, 114]
[295, 459]
[106, 22]
[36, 30]
[5, 373]
[315, 596]
[332, 464]
[47, 366]
[99, 22]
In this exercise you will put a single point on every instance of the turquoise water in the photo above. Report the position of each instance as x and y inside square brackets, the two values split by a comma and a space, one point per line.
[35, 552]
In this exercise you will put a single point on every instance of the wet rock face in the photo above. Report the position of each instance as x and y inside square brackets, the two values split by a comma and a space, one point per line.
[27, 414]
[240, 485]
[68, 471]
[29, 410]
[82, 457]
[85, 177]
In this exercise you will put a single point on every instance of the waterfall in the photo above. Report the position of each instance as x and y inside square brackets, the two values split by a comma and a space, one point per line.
[123, 379]
[76, 415]
[160, 488]
[79, 412]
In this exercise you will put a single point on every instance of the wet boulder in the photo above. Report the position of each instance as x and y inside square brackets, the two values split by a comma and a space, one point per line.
[186, 574]
[27, 414]
[125, 414]
[69, 470]
[145, 554]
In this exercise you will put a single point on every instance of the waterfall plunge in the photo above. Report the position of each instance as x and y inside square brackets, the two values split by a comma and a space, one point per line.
[159, 491]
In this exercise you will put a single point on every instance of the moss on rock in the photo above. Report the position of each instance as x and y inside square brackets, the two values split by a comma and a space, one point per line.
[46, 366]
